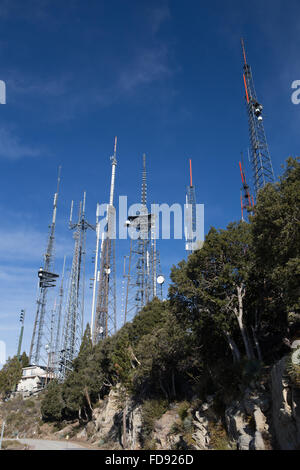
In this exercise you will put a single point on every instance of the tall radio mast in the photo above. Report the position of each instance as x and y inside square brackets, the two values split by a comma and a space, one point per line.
[261, 162]
[46, 280]
[104, 320]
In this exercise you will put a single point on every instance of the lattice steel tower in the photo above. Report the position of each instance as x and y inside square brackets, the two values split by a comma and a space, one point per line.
[143, 258]
[247, 202]
[104, 320]
[47, 279]
[74, 315]
[261, 163]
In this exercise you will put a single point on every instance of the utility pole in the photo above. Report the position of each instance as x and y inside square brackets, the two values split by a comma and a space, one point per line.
[74, 315]
[22, 319]
[261, 162]
[46, 280]
[104, 321]
[95, 278]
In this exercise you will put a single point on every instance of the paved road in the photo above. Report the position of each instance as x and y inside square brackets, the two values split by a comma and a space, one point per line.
[41, 444]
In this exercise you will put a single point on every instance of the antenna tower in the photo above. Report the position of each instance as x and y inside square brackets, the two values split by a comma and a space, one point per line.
[74, 315]
[142, 259]
[261, 163]
[104, 319]
[247, 202]
[46, 279]
[190, 219]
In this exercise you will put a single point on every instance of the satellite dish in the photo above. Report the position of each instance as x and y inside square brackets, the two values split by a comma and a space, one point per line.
[160, 280]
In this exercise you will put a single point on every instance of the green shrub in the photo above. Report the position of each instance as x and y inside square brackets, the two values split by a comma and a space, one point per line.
[152, 410]
[183, 410]
[218, 437]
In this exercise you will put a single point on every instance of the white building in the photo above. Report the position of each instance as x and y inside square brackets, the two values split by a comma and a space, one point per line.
[33, 380]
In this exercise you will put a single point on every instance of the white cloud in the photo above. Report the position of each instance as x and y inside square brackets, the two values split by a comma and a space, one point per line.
[12, 148]
[157, 16]
[20, 84]
[25, 244]
[150, 65]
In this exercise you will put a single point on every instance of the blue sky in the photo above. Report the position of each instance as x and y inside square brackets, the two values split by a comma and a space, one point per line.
[166, 78]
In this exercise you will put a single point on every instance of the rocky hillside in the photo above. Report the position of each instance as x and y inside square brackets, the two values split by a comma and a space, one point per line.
[265, 417]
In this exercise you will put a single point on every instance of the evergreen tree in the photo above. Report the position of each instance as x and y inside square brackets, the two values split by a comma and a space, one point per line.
[10, 375]
[52, 404]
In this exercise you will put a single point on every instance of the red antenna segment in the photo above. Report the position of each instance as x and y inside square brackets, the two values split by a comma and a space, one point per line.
[191, 179]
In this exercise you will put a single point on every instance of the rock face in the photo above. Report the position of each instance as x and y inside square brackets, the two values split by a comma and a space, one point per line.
[106, 426]
[134, 426]
[201, 424]
[162, 434]
[247, 421]
[285, 408]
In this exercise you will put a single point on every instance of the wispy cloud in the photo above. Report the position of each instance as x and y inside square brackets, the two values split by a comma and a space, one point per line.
[148, 66]
[33, 10]
[26, 85]
[12, 148]
[157, 16]
[23, 244]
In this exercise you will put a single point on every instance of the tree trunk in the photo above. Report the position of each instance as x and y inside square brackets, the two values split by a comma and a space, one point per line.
[239, 315]
[234, 349]
[259, 355]
[124, 424]
[163, 389]
[87, 396]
